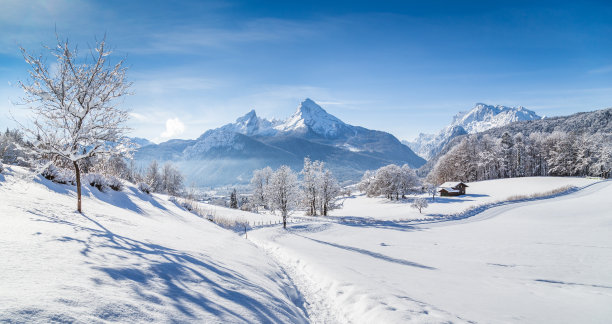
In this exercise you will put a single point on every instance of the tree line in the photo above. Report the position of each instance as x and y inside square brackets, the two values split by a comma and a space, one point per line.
[281, 189]
[558, 153]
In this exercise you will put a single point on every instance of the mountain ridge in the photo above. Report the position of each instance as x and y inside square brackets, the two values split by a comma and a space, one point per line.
[480, 118]
[254, 142]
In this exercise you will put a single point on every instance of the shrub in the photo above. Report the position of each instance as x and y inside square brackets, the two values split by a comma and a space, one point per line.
[58, 175]
[142, 186]
[97, 180]
[114, 183]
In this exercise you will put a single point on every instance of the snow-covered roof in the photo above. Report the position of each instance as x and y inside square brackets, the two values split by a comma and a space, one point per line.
[451, 184]
[448, 189]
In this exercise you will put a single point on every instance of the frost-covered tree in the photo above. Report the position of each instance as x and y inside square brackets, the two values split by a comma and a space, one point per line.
[152, 177]
[171, 179]
[260, 180]
[311, 184]
[74, 102]
[14, 149]
[234, 199]
[419, 203]
[282, 191]
[328, 191]
[431, 190]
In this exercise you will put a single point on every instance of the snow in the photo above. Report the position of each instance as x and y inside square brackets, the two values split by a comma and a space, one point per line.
[129, 258]
[360, 207]
[478, 119]
[310, 116]
[538, 262]
[132, 257]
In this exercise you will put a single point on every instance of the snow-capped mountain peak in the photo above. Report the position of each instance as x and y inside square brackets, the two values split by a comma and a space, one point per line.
[478, 119]
[250, 124]
[483, 117]
[311, 117]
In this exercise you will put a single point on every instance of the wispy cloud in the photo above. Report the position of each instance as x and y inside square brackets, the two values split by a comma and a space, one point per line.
[601, 70]
[193, 38]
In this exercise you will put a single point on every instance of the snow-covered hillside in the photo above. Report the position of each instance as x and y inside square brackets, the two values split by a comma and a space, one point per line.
[480, 118]
[360, 207]
[129, 258]
[544, 261]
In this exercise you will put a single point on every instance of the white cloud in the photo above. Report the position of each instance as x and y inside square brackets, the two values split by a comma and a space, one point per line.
[174, 127]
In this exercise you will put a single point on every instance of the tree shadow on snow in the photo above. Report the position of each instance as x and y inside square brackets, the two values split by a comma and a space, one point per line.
[376, 255]
[173, 274]
[366, 222]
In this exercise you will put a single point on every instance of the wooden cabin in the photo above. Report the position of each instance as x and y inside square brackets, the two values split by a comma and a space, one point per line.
[452, 189]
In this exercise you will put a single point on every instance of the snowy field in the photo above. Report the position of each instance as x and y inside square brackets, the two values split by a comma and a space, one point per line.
[478, 193]
[138, 258]
[130, 258]
[545, 261]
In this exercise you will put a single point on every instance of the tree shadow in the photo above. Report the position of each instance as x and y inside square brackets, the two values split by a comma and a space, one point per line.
[368, 253]
[173, 274]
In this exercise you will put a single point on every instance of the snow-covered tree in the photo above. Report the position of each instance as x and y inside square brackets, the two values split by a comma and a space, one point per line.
[311, 184]
[431, 189]
[74, 103]
[328, 191]
[234, 199]
[282, 191]
[260, 180]
[419, 203]
[152, 177]
[171, 179]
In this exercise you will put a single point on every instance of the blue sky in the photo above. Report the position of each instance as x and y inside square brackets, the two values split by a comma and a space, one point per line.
[401, 66]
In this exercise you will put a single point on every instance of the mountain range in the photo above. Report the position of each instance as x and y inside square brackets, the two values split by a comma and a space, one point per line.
[478, 119]
[228, 155]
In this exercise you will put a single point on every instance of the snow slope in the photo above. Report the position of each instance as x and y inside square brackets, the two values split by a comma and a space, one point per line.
[545, 261]
[129, 258]
[478, 193]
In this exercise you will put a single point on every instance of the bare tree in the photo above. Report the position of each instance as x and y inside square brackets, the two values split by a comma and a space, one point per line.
[76, 114]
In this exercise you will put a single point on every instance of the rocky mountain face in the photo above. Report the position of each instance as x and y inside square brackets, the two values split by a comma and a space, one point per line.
[480, 118]
[229, 154]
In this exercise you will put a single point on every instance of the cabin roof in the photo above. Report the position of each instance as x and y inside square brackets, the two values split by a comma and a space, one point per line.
[451, 184]
[447, 189]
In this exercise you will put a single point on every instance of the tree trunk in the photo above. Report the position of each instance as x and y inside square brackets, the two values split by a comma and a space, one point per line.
[284, 220]
[78, 184]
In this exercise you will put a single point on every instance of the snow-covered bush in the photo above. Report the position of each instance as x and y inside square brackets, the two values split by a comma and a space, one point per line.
[144, 187]
[58, 175]
[114, 183]
[97, 180]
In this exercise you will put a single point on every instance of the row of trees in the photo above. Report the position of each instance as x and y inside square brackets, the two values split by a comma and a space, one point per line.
[539, 154]
[392, 181]
[280, 189]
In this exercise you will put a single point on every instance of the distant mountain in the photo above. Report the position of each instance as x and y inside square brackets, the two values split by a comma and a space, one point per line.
[141, 142]
[589, 123]
[229, 154]
[480, 118]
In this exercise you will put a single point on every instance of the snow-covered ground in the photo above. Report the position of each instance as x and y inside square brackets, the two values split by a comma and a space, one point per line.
[545, 261]
[478, 193]
[129, 258]
[138, 258]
